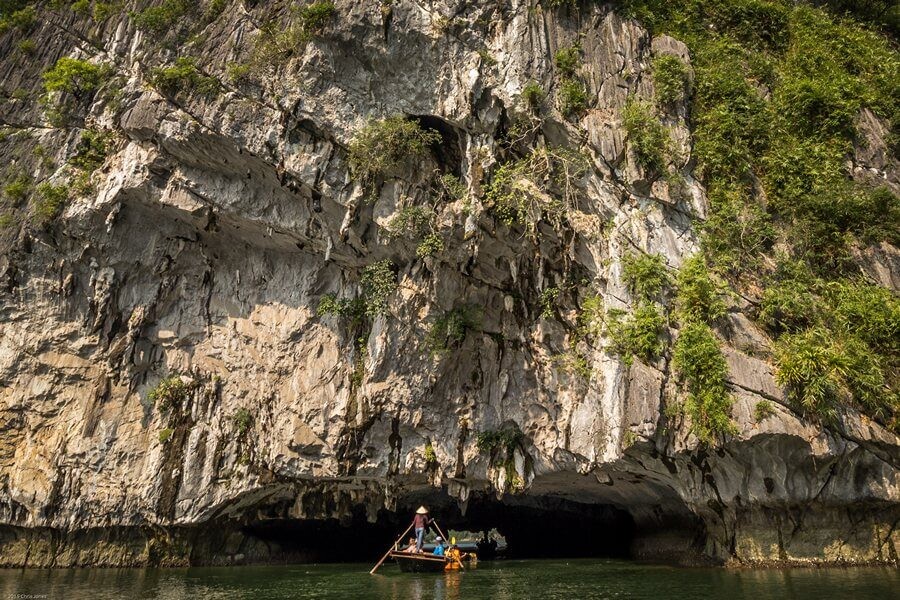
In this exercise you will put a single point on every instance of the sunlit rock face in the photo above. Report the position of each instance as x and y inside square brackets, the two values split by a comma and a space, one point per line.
[218, 223]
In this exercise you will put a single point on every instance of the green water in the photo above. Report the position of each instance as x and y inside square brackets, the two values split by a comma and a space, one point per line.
[501, 580]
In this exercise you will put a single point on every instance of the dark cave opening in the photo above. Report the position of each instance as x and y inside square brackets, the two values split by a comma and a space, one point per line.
[550, 527]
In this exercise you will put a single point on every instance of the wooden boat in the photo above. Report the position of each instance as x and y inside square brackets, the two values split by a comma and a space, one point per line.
[412, 562]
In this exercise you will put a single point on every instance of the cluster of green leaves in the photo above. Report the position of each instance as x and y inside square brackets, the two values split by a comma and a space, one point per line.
[75, 76]
[92, 149]
[669, 79]
[48, 202]
[697, 358]
[183, 76]
[495, 440]
[540, 186]
[450, 329]
[763, 410]
[15, 14]
[638, 334]
[17, 189]
[380, 148]
[737, 233]
[378, 284]
[276, 40]
[549, 296]
[353, 309]
[169, 394]
[571, 94]
[645, 275]
[533, 95]
[242, 419]
[777, 91]
[838, 343]
[430, 455]
[431, 245]
[158, 20]
[702, 367]
[411, 222]
[165, 434]
[648, 138]
[700, 293]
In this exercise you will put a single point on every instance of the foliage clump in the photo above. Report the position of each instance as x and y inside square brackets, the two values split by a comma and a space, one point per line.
[699, 296]
[703, 370]
[495, 440]
[242, 420]
[75, 76]
[17, 189]
[638, 335]
[540, 186]
[169, 394]
[380, 148]
[669, 79]
[647, 137]
[183, 76]
[48, 203]
[411, 222]
[763, 410]
[533, 95]
[378, 284]
[158, 20]
[645, 275]
[450, 329]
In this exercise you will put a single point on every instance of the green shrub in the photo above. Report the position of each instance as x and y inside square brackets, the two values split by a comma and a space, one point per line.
[7, 220]
[572, 97]
[648, 138]
[75, 76]
[638, 335]
[411, 222]
[92, 150]
[450, 329]
[540, 186]
[669, 79]
[788, 306]
[699, 295]
[183, 76]
[703, 370]
[763, 410]
[533, 95]
[353, 309]
[382, 147]
[17, 190]
[431, 245]
[378, 283]
[169, 394]
[238, 73]
[737, 233]
[49, 202]
[430, 455]
[568, 60]
[313, 17]
[26, 46]
[159, 20]
[451, 188]
[242, 420]
[165, 435]
[645, 275]
[548, 301]
[15, 15]
[869, 312]
[494, 440]
[820, 370]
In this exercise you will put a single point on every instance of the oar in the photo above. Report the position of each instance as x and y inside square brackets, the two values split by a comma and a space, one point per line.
[436, 526]
[386, 554]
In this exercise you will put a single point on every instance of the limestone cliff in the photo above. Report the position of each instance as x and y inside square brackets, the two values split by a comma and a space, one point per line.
[221, 331]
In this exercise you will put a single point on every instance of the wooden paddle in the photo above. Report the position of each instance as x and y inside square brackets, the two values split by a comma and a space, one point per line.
[446, 539]
[386, 554]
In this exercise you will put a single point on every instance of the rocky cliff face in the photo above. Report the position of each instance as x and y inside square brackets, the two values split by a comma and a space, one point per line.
[199, 252]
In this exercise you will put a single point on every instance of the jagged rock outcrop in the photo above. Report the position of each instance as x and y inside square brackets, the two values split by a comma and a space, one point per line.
[218, 223]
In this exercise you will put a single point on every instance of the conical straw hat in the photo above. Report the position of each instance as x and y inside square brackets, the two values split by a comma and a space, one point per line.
[422, 511]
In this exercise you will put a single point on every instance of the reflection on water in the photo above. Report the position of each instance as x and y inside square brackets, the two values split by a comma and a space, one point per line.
[501, 580]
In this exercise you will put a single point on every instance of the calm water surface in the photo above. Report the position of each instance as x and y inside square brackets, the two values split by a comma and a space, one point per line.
[501, 580]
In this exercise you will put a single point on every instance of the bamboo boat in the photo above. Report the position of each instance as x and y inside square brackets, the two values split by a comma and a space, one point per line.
[413, 562]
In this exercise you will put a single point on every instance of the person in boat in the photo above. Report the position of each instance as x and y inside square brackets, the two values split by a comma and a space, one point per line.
[411, 546]
[454, 557]
[421, 520]
[439, 546]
